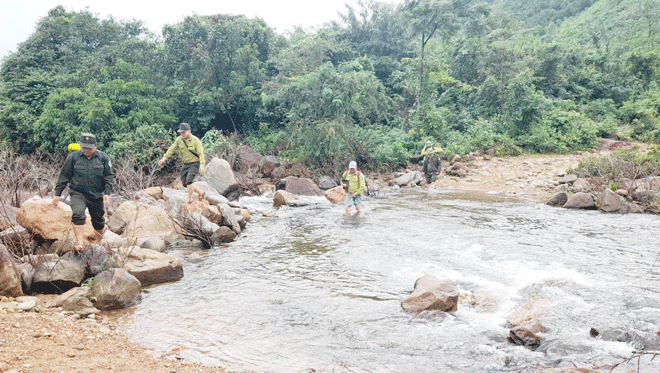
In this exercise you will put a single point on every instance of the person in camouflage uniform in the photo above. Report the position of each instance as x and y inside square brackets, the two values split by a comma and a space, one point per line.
[89, 175]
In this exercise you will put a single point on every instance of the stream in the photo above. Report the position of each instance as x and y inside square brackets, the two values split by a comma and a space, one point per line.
[314, 290]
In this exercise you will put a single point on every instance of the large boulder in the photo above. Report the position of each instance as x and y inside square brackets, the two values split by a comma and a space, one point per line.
[248, 158]
[431, 294]
[581, 185]
[7, 216]
[58, 275]
[336, 194]
[116, 289]
[220, 176]
[40, 217]
[10, 280]
[301, 186]
[580, 200]
[150, 221]
[269, 163]
[405, 179]
[609, 201]
[326, 182]
[149, 266]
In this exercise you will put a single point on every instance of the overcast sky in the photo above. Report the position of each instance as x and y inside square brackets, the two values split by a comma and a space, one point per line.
[18, 18]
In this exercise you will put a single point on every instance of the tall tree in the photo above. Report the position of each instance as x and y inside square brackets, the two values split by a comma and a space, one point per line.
[428, 17]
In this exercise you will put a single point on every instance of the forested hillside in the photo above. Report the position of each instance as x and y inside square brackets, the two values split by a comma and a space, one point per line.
[510, 75]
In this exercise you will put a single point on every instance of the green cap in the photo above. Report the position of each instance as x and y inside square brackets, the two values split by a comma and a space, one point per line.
[87, 140]
[183, 127]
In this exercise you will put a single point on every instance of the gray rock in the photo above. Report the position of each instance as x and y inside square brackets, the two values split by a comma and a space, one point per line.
[559, 199]
[149, 266]
[229, 218]
[326, 182]
[116, 289]
[609, 201]
[61, 274]
[220, 176]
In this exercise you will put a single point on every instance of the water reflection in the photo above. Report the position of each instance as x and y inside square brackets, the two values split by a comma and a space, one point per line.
[316, 289]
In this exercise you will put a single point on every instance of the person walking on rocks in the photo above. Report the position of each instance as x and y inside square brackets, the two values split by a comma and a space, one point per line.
[191, 150]
[353, 182]
[88, 173]
[431, 165]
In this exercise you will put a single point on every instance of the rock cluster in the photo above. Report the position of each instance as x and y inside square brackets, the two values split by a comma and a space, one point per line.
[131, 253]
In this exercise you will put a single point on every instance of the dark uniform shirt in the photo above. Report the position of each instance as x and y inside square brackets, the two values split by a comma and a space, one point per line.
[91, 177]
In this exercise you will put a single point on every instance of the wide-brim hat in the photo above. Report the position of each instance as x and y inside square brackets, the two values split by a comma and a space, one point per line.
[87, 140]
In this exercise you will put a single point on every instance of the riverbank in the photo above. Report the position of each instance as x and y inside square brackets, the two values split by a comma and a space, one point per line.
[52, 341]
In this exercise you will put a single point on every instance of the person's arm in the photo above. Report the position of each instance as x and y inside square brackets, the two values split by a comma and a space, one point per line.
[170, 151]
[63, 180]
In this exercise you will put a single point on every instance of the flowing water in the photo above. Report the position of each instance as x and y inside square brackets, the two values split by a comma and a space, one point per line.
[317, 290]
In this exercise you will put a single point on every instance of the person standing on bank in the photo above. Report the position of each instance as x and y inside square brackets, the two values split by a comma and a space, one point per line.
[353, 182]
[88, 172]
[192, 155]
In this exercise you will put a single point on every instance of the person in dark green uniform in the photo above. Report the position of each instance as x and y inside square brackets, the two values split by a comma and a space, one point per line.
[191, 150]
[88, 173]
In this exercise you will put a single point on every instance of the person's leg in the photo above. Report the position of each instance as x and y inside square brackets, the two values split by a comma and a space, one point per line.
[97, 212]
[78, 204]
[188, 176]
[358, 203]
[348, 202]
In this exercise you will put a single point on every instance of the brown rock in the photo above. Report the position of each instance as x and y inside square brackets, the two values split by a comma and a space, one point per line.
[580, 200]
[302, 186]
[609, 201]
[123, 214]
[41, 218]
[269, 163]
[283, 198]
[336, 194]
[431, 294]
[10, 281]
[248, 158]
[150, 221]
[223, 234]
[212, 213]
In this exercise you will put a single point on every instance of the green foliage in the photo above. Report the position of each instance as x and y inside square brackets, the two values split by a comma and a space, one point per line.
[621, 164]
[533, 76]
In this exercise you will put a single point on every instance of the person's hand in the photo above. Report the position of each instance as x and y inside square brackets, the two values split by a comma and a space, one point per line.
[160, 162]
[202, 170]
[354, 195]
[56, 200]
[106, 200]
